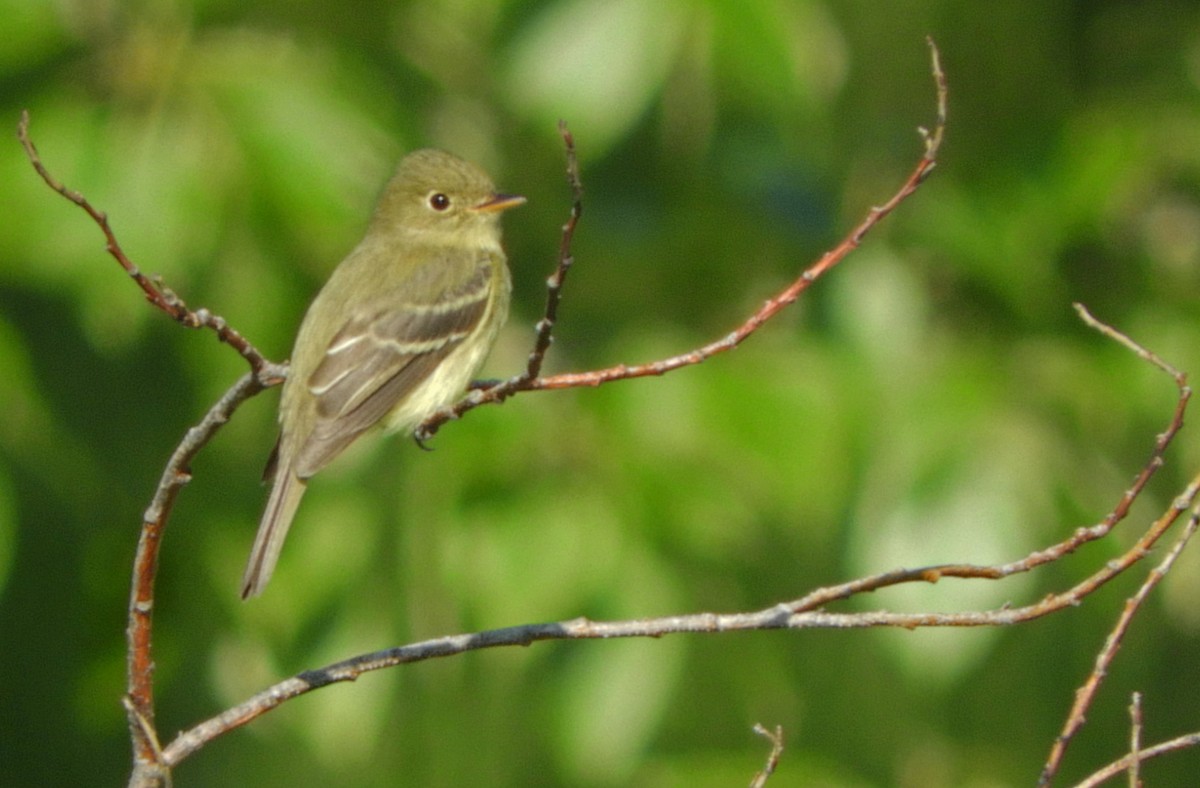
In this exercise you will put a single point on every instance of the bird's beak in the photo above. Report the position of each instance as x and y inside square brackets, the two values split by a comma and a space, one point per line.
[499, 202]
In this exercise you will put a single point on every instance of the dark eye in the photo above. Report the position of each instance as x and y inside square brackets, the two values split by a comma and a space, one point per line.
[439, 201]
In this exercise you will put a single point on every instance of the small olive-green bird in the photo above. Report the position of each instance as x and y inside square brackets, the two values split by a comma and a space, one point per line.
[398, 331]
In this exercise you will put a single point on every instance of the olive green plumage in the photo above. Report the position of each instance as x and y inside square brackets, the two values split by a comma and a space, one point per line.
[397, 332]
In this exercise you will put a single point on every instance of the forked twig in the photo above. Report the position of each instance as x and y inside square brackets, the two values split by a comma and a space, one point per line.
[527, 381]
[139, 698]
[776, 739]
[805, 613]
[1086, 694]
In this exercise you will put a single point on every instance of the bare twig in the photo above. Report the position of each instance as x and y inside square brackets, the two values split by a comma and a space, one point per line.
[776, 739]
[497, 390]
[805, 613]
[772, 306]
[1086, 694]
[554, 285]
[788, 295]
[1135, 741]
[161, 297]
[1113, 769]
[139, 699]
[1122, 339]
[1164, 438]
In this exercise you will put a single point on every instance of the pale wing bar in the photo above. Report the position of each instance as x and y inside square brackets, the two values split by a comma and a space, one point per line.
[374, 362]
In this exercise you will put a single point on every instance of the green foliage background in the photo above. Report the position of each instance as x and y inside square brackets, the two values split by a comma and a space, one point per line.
[934, 399]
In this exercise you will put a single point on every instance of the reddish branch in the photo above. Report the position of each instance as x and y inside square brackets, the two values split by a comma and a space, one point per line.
[528, 381]
[139, 698]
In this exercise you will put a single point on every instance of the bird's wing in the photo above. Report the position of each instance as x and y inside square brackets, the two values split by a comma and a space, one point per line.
[381, 356]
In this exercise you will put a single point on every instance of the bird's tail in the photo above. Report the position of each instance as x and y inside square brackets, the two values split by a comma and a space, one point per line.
[281, 508]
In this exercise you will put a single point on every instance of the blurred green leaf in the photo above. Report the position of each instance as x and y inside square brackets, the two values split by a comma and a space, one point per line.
[598, 64]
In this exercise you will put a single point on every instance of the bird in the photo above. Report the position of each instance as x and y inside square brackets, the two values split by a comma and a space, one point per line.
[397, 332]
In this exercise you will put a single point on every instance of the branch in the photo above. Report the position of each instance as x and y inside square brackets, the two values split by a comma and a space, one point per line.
[528, 380]
[554, 284]
[807, 612]
[1116, 767]
[139, 699]
[1135, 740]
[776, 739]
[804, 613]
[161, 297]
[1086, 694]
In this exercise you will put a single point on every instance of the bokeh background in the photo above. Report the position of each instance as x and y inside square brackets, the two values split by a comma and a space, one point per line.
[934, 399]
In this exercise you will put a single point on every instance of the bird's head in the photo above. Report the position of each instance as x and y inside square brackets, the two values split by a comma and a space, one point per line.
[436, 193]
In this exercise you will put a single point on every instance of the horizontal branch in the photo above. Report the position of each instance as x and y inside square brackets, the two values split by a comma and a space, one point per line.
[803, 613]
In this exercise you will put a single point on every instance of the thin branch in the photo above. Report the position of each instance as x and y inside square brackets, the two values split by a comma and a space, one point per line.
[1123, 339]
[776, 739]
[1135, 741]
[1086, 694]
[161, 297]
[1115, 768]
[149, 768]
[788, 295]
[498, 392]
[139, 699]
[805, 613]
[554, 285]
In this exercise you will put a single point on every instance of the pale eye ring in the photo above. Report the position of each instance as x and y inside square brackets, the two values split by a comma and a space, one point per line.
[438, 201]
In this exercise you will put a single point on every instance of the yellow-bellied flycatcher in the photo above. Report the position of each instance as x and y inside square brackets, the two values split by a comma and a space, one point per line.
[398, 331]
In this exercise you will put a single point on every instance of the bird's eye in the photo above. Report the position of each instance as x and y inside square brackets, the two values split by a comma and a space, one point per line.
[439, 201]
